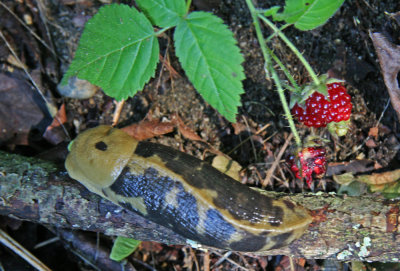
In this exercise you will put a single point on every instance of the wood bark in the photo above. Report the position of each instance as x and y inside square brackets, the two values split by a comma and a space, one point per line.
[345, 228]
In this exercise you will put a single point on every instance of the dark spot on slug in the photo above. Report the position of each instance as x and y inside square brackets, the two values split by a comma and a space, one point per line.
[289, 204]
[250, 242]
[101, 146]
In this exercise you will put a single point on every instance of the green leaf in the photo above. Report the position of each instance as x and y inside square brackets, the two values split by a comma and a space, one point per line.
[164, 13]
[211, 60]
[308, 14]
[354, 189]
[271, 11]
[118, 51]
[123, 247]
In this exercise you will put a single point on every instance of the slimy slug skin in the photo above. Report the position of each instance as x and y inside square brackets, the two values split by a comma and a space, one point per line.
[182, 193]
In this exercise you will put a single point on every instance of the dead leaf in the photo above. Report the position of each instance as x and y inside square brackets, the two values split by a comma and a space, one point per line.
[55, 133]
[389, 60]
[370, 143]
[373, 132]
[380, 178]
[151, 246]
[239, 127]
[21, 110]
[148, 129]
[185, 130]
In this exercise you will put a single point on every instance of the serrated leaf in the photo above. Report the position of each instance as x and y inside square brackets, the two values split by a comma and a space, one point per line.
[211, 60]
[308, 14]
[164, 13]
[123, 247]
[118, 51]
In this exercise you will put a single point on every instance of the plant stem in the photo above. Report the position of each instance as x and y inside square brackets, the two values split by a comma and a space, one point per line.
[292, 47]
[269, 67]
[285, 70]
[159, 32]
[188, 3]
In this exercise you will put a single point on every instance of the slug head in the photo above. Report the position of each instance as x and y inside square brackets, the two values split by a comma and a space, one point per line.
[98, 155]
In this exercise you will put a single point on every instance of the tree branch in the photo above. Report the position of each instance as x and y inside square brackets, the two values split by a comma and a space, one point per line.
[345, 228]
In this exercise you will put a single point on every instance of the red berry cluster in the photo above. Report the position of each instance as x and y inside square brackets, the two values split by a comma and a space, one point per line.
[311, 161]
[319, 111]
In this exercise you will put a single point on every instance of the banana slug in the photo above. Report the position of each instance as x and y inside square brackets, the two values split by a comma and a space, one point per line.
[183, 193]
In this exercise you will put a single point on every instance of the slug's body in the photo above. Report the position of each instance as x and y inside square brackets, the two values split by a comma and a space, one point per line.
[182, 193]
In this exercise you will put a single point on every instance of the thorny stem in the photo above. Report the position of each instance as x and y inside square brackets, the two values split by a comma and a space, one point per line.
[285, 70]
[292, 47]
[269, 68]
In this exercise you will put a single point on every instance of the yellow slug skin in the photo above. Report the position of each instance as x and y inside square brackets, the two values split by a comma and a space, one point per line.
[183, 193]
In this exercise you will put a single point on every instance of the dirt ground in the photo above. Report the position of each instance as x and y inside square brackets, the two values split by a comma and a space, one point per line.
[341, 47]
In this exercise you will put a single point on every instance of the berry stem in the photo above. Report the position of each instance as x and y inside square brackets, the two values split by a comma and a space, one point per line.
[292, 47]
[270, 69]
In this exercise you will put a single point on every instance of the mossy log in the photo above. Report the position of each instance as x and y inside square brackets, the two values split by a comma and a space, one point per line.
[345, 228]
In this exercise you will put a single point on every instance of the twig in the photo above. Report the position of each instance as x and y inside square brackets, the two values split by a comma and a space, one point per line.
[251, 139]
[117, 112]
[29, 30]
[17, 248]
[271, 171]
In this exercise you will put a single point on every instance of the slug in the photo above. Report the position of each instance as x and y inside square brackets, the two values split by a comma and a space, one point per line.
[182, 193]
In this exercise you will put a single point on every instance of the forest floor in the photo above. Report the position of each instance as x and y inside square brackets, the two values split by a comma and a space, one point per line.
[342, 47]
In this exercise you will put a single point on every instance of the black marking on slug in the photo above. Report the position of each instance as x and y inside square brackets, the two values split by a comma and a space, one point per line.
[289, 204]
[181, 216]
[101, 146]
[249, 242]
[281, 239]
[242, 202]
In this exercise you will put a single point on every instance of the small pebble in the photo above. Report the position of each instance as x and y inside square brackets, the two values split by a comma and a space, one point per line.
[77, 88]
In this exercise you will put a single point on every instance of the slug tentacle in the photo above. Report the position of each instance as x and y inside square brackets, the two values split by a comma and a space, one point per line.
[183, 193]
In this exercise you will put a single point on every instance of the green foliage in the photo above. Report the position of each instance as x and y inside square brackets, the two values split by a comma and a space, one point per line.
[123, 247]
[390, 190]
[118, 51]
[306, 14]
[163, 13]
[353, 189]
[204, 44]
